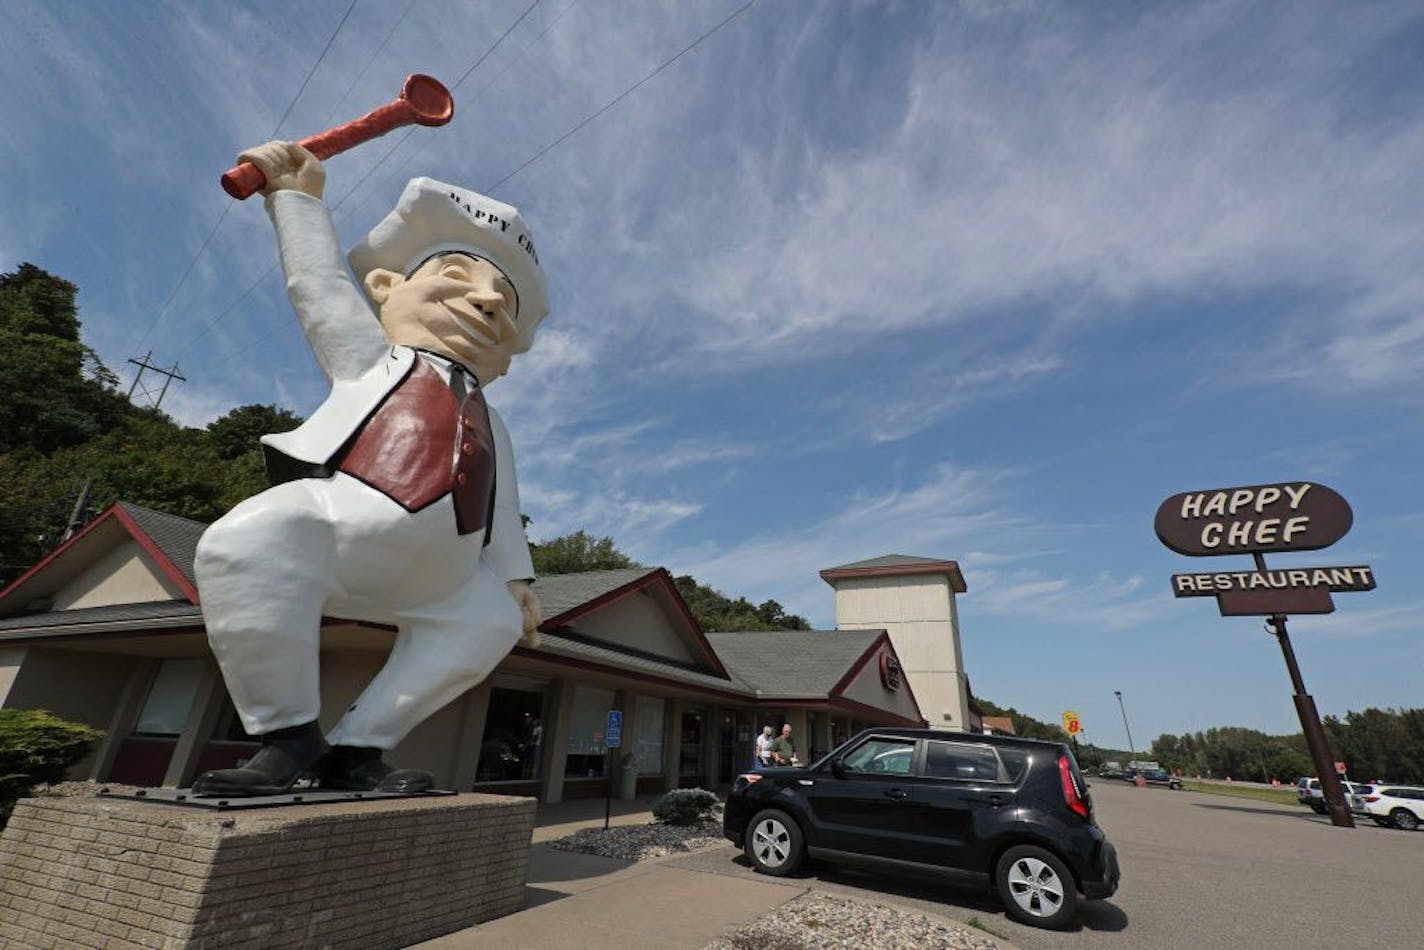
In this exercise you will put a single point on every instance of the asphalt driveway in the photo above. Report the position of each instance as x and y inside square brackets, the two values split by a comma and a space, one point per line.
[1198, 870]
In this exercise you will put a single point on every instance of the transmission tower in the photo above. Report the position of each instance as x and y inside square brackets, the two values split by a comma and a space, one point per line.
[147, 391]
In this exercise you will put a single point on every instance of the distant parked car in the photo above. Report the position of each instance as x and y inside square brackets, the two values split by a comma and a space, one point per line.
[924, 800]
[1398, 806]
[1157, 777]
[1308, 792]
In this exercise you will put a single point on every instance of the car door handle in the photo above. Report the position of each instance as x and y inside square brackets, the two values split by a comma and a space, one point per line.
[896, 793]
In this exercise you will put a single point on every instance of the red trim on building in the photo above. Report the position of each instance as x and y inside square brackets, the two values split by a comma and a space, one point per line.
[946, 568]
[657, 576]
[631, 674]
[155, 552]
[45, 561]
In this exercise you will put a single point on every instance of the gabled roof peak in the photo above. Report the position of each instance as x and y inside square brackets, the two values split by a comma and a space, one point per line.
[896, 565]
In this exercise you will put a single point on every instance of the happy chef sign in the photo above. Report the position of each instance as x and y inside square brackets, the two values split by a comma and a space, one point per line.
[1256, 519]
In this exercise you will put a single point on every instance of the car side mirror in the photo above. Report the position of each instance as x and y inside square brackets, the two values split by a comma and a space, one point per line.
[838, 768]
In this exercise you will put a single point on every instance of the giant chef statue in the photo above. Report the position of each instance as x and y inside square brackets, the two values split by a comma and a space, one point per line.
[396, 501]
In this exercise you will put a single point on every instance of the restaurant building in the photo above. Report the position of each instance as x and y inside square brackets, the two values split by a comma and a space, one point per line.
[107, 631]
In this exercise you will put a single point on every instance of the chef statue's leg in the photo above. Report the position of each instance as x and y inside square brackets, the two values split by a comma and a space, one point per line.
[440, 652]
[265, 569]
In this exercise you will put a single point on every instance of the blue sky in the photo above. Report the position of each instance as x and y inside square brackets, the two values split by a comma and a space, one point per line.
[984, 281]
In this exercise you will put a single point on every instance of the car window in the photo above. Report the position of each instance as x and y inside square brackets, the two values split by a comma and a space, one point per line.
[1015, 762]
[976, 763]
[882, 755]
[1364, 789]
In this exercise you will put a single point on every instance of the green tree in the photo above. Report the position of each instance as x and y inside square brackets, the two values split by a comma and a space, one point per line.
[57, 392]
[1024, 724]
[578, 552]
[37, 747]
[62, 423]
[715, 611]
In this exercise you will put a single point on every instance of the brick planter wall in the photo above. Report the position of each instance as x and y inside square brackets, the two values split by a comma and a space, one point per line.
[116, 873]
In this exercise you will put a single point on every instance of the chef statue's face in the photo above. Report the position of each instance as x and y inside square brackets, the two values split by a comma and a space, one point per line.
[455, 305]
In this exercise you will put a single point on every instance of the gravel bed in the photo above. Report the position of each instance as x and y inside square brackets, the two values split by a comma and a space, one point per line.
[823, 922]
[642, 842]
[75, 789]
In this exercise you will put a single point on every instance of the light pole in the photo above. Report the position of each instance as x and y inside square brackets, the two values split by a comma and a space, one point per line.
[1130, 747]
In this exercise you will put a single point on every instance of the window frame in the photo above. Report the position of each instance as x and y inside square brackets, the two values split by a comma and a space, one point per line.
[1001, 774]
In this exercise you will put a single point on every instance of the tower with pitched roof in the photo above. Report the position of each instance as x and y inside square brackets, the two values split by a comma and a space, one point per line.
[911, 598]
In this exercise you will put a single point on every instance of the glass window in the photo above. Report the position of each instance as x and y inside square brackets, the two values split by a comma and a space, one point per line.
[513, 737]
[587, 721]
[1015, 762]
[891, 756]
[648, 716]
[973, 763]
[170, 698]
[689, 755]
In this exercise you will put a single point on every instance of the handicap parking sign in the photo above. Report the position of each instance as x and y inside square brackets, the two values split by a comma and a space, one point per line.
[614, 735]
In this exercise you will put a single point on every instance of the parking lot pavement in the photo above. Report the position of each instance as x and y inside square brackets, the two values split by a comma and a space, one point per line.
[1199, 870]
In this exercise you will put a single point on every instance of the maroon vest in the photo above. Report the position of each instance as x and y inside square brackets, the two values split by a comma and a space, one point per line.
[421, 443]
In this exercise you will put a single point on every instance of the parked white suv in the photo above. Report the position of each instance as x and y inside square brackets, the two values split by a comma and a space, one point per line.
[1309, 792]
[1400, 806]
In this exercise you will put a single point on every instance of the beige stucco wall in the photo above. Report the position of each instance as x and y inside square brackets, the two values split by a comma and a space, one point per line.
[867, 688]
[919, 613]
[640, 621]
[430, 746]
[80, 687]
[125, 575]
[10, 660]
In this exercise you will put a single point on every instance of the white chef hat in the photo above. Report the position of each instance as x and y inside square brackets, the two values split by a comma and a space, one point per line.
[433, 218]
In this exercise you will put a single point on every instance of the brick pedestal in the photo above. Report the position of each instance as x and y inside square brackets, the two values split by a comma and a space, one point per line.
[101, 872]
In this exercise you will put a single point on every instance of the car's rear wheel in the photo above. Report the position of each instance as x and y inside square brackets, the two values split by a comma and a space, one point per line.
[1036, 888]
[1404, 819]
[775, 844]
[1318, 808]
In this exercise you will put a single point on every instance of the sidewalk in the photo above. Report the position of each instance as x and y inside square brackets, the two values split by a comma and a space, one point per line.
[584, 901]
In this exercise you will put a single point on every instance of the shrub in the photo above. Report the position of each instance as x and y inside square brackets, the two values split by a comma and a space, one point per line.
[37, 747]
[685, 806]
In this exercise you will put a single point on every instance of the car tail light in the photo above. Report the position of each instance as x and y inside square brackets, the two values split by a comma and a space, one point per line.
[1372, 798]
[1071, 798]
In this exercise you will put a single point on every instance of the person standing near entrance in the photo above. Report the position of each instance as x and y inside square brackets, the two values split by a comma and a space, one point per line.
[761, 758]
[783, 750]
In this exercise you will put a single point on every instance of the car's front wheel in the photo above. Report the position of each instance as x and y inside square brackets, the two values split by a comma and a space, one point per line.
[1036, 887]
[1318, 808]
[1404, 819]
[775, 844]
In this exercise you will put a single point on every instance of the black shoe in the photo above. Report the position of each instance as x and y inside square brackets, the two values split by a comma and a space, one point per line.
[286, 755]
[360, 769]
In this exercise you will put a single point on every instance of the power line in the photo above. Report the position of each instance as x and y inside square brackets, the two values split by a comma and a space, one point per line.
[409, 132]
[623, 95]
[337, 112]
[163, 310]
[532, 159]
[263, 276]
[324, 50]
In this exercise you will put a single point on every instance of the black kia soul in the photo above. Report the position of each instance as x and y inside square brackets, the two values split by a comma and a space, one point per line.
[917, 799]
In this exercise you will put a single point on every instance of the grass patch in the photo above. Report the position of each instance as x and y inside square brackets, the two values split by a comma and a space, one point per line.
[1280, 796]
[978, 924]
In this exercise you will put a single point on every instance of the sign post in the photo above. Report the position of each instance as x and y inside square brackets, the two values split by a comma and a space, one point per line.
[612, 739]
[1254, 519]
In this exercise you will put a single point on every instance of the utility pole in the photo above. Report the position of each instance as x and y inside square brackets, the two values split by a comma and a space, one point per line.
[76, 517]
[146, 391]
[1130, 747]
